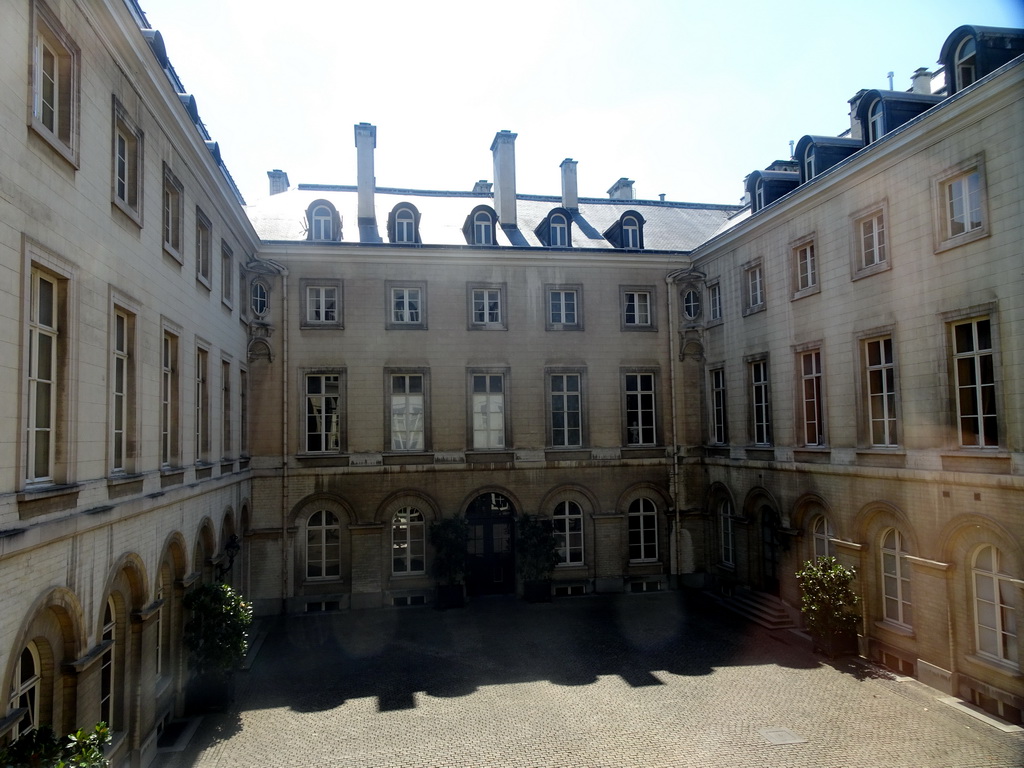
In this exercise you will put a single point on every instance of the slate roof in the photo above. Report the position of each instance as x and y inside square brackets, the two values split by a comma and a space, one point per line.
[669, 225]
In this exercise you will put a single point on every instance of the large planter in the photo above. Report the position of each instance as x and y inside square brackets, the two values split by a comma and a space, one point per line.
[213, 692]
[537, 590]
[450, 596]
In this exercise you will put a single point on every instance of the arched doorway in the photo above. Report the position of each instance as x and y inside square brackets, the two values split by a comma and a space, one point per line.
[770, 524]
[491, 563]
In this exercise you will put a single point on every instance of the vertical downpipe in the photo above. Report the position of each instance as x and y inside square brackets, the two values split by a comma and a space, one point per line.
[285, 400]
[673, 473]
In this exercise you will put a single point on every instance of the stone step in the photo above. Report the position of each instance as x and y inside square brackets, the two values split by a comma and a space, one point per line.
[764, 609]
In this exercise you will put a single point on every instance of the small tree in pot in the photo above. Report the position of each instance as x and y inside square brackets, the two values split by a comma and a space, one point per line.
[536, 556]
[450, 539]
[217, 639]
[827, 604]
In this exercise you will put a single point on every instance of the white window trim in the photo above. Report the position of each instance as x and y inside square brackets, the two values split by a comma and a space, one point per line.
[172, 220]
[817, 378]
[867, 369]
[652, 317]
[805, 282]
[392, 445]
[339, 412]
[642, 514]
[901, 575]
[549, 375]
[1007, 649]
[305, 322]
[654, 393]
[753, 301]
[323, 561]
[472, 291]
[204, 248]
[227, 276]
[573, 512]
[716, 310]
[130, 201]
[394, 323]
[944, 239]
[719, 404]
[883, 262]
[760, 400]
[976, 355]
[64, 138]
[576, 290]
[414, 520]
[477, 398]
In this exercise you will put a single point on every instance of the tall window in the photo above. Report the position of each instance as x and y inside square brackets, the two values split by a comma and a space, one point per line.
[227, 276]
[558, 229]
[323, 546]
[563, 308]
[812, 398]
[567, 523]
[755, 287]
[871, 240]
[323, 417]
[225, 408]
[323, 223]
[966, 64]
[405, 306]
[643, 530]
[637, 309]
[630, 232]
[881, 391]
[809, 163]
[975, 379]
[821, 535]
[107, 665]
[876, 121]
[895, 579]
[962, 198]
[55, 83]
[169, 400]
[26, 688]
[202, 405]
[640, 409]
[715, 301]
[726, 537]
[122, 389]
[407, 541]
[204, 240]
[995, 613]
[483, 229]
[43, 339]
[407, 412]
[719, 433]
[760, 406]
[806, 267]
[566, 410]
[405, 226]
[488, 410]
[243, 413]
[173, 197]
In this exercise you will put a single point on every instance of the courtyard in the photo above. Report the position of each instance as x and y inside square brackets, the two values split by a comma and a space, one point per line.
[608, 680]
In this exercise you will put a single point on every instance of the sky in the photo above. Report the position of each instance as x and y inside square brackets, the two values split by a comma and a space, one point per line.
[686, 98]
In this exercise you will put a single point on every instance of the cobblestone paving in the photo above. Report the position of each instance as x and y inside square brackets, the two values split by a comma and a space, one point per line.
[625, 680]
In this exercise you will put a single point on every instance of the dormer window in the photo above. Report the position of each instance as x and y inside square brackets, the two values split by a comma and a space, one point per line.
[966, 64]
[809, 163]
[324, 222]
[403, 224]
[630, 232]
[559, 230]
[480, 225]
[876, 121]
[627, 232]
[758, 195]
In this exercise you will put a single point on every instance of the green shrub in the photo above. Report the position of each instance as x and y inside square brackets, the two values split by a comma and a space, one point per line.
[828, 600]
[217, 634]
[40, 748]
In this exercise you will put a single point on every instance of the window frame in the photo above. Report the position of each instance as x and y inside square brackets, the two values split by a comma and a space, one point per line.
[875, 121]
[201, 404]
[1005, 640]
[558, 231]
[392, 321]
[550, 321]
[204, 248]
[981, 371]
[804, 265]
[550, 374]
[409, 551]
[567, 524]
[815, 396]
[945, 238]
[822, 534]
[314, 222]
[754, 289]
[715, 307]
[44, 382]
[306, 306]
[173, 215]
[625, 291]
[759, 382]
[486, 324]
[226, 410]
[405, 225]
[392, 437]
[170, 398]
[653, 392]
[259, 298]
[126, 187]
[483, 227]
[726, 532]
[895, 582]
[642, 524]
[61, 131]
[718, 434]
[331, 522]
[967, 62]
[505, 428]
[877, 217]
[323, 433]
[888, 391]
[123, 392]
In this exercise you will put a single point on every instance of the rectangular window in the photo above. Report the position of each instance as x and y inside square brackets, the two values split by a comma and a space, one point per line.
[202, 405]
[127, 164]
[871, 240]
[961, 197]
[122, 391]
[44, 330]
[204, 240]
[56, 62]
[323, 412]
[321, 304]
[243, 413]
[407, 411]
[636, 309]
[405, 306]
[564, 310]
[754, 286]
[975, 381]
[719, 430]
[760, 405]
[643, 531]
[566, 392]
[811, 395]
[173, 201]
[169, 445]
[805, 269]
[225, 408]
[488, 406]
[640, 409]
[227, 274]
[715, 302]
[880, 371]
[487, 308]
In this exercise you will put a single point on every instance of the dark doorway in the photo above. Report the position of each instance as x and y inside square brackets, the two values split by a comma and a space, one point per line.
[770, 550]
[491, 566]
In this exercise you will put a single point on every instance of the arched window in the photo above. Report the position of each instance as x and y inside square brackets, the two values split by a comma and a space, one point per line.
[726, 536]
[895, 579]
[323, 546]
[966, 63]
[567, 521]
[260, 300]
[405, 226]
[643, 530]
[322, 223]
[809, 163]
[26, 686]
[107, 668]
[758, 195]
[630, 232]
[876, 122]
[821, 535]
[559, 231]
[483, 229]
[407, 541]
[995, 613]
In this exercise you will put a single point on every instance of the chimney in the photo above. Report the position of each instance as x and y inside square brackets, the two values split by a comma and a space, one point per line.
[621, 189]
[366, 184]
[278, 181]
[570, 195]
[922, 81]
[482, 187]
[504, 149]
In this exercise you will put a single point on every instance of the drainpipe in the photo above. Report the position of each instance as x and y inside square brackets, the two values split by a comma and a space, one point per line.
[285, 400]
[673, 472]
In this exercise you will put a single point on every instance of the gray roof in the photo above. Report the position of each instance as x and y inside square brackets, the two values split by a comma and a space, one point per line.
[668, 225]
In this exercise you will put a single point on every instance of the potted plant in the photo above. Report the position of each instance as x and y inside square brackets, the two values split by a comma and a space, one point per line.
[827, 604]
[536, 556]
[40, 748]
[450, 539]
[216, 636]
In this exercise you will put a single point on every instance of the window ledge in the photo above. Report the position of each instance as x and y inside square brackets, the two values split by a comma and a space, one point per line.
[874, 269]
[992, 461]
[967, 237]
[568, 567]
[323, 459]
[804, 292]
[754, 310]
[174, 253]
[132, 213]
[998, 665]
[895, 458]
[896, 629]
[306, 326]
[812, 454]
[162, 684]
[48, 492]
